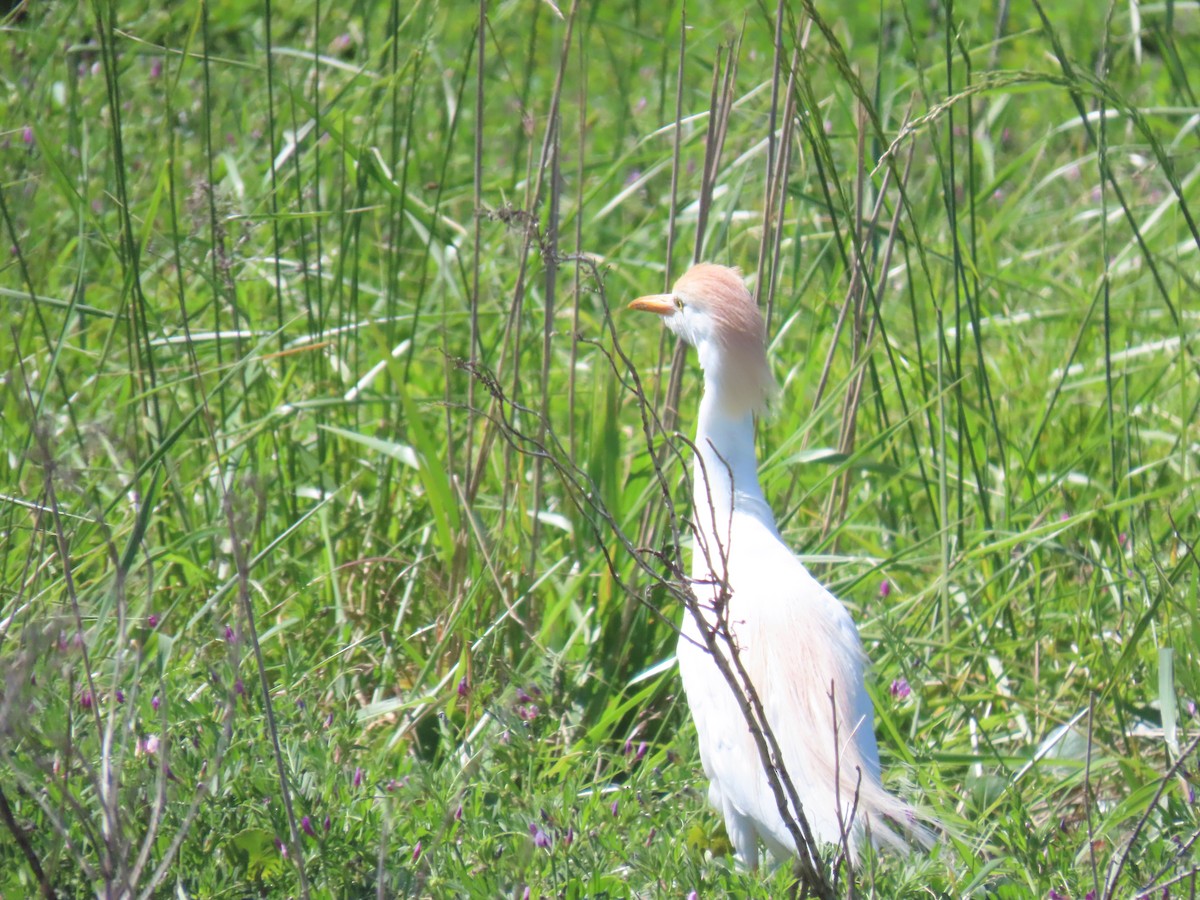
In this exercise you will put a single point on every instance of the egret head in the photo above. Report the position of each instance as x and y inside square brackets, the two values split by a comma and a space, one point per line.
[710, 308]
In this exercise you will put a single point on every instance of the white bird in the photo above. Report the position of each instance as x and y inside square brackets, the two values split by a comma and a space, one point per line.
[794, 637]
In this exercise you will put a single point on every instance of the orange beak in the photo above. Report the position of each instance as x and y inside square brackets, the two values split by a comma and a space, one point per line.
[661, 304]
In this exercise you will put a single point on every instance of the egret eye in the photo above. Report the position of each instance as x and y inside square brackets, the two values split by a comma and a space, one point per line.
[679, 304]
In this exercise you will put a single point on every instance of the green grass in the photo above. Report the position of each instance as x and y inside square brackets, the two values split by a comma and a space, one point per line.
[257, 508]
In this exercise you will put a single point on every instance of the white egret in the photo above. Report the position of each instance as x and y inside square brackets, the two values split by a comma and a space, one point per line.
[794, 638]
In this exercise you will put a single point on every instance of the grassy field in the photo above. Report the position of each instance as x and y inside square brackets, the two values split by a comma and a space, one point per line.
[329, 507]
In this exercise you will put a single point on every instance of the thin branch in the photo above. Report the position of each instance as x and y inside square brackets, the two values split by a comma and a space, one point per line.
[718, 637]
[10, 821]
[1110, 889]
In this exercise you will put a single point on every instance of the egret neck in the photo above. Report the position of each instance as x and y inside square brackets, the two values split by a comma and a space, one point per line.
[725, 480]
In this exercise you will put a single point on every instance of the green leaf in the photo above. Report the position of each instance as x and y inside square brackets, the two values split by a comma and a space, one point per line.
[141, 523]
[402, 452]
[442, 502]
[256, 846]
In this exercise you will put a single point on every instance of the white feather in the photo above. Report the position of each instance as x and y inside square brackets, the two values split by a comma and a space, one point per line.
[797, 642]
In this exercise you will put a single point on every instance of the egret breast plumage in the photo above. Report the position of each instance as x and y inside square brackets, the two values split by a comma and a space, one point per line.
[796, 641]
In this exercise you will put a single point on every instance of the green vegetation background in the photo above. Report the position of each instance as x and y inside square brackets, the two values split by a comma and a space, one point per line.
[292, 294]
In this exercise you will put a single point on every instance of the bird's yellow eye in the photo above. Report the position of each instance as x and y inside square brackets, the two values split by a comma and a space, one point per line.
[678, 303]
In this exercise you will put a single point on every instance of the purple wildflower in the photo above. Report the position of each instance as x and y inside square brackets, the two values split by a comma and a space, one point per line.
[416, 852]
[239, 688]
[152, 620]
[86, 699]
[120, 695]
[464, 688]
[306, 825]
[540, 838]
[885, 588]
[27, 136]
[615, 806]
[326, 823]
[281, 847]
[154, 702]
[641, 751]
[458, 813]
[900, 689]
[230, 637]
[528, 712]
[358, 776]
[156, 68]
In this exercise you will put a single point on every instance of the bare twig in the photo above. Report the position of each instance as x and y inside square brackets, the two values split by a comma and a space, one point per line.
[714, 627]
[511, 339]
[845, 823]
[1114, 877]
[1087, 795]
[10, 822]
